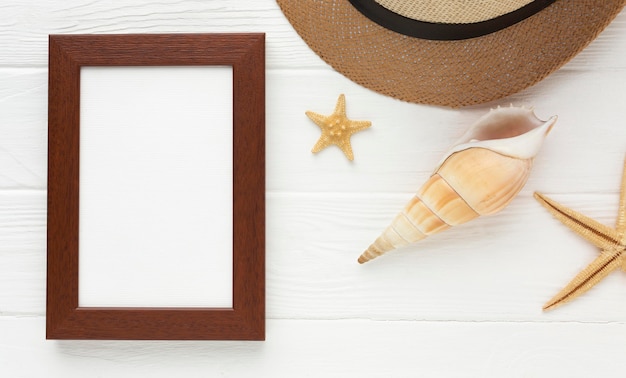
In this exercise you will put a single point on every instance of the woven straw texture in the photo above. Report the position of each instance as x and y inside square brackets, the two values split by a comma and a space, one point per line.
[448, 73]
[452, 11]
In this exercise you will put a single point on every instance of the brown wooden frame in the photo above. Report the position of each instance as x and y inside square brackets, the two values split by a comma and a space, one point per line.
[246, 319]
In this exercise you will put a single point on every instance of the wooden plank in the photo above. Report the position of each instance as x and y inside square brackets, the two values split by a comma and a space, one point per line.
[584, 152]
[498, 268]
[340, 348]
[24, 31]
[23, 128]
[22, 252]
[25, 28]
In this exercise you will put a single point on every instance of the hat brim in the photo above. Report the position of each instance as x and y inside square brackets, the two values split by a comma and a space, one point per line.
[448, 73]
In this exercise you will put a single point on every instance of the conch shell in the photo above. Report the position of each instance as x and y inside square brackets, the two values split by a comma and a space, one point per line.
[480, 175]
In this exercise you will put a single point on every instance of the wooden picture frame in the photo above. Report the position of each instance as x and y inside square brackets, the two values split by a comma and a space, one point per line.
[65, 319]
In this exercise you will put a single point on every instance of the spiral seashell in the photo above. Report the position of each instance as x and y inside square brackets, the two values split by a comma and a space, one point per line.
[480, 175]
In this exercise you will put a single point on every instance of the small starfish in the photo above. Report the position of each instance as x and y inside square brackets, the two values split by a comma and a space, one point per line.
[337, 128]
[612, 244]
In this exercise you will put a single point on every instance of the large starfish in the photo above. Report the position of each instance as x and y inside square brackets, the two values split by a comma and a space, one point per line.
[337, 128]
[611, 241]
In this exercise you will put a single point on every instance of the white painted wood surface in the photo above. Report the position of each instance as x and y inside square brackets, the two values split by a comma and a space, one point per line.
[464, 303]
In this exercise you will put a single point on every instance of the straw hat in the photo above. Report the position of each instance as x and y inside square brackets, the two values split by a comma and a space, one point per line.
[448, 52]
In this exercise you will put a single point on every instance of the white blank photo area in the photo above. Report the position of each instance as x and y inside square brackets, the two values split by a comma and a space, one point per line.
[155, 220]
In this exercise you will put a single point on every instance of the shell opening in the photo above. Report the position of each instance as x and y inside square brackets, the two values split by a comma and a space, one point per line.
[512, 131]
[503, 123]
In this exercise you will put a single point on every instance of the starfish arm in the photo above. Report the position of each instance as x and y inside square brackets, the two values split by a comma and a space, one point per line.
[595, 232]
[621, 215]
[604, 264]
[340, 108]
[319, 119]
[347, 150]
[356, 126]
[322, 143]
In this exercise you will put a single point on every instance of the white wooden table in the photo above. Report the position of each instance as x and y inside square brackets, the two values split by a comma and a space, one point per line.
[464, 303]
